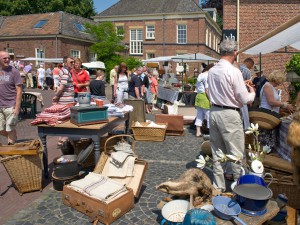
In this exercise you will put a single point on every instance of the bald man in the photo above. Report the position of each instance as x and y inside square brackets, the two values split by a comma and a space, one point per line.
[10, 98]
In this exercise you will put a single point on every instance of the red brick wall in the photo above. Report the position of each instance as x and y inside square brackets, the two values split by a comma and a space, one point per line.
[257, 18]
[26, 47]
[166, 32]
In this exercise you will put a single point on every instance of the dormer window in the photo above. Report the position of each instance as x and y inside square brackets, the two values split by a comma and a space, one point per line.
[80, 27]
[40, 24]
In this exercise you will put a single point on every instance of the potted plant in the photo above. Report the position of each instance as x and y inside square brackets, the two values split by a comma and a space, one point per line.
[293, 76]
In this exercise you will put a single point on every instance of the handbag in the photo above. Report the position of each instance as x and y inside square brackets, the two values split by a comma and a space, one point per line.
[265, 118]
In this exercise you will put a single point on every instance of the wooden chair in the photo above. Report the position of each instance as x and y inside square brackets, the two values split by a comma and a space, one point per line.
[29, 101]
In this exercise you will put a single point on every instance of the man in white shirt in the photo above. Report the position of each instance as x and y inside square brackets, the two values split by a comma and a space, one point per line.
[227, 94]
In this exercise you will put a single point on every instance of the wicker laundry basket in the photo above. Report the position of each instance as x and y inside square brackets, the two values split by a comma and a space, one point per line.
[25, 171]
[144, 133]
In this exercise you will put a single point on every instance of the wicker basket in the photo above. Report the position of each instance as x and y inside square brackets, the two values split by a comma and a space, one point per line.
[145, 133]
[25, 171]
[108, 148]
[283, 183]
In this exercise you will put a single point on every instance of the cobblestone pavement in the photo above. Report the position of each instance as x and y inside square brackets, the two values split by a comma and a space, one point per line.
[167, 160]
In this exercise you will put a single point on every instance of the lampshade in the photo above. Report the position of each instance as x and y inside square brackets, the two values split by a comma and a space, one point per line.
[179, 69]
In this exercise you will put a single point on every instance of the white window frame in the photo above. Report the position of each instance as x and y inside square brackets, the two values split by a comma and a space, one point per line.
[93, 57]
[150, 32]
[136, 41]
[209, 39]
[117, 31]
[149, 55]
[181, 40]
[206, 37]
[75, 53]
[39, 53]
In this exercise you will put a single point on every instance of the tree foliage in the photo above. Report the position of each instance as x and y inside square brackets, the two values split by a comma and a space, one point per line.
[84, 8]
[218, 4]
[109, 46]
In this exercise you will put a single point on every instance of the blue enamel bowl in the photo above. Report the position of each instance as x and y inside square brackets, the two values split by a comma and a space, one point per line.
[251, 179]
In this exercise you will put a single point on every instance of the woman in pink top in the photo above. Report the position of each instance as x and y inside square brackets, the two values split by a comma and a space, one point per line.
[154, 88]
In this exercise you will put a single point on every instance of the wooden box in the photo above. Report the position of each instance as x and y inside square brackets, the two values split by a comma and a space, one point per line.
[88, 115]
[109, 211]
[175, 123]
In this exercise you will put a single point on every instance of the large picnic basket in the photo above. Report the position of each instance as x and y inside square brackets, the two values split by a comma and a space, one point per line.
[145, 133]
[23, 163]
[282, 182]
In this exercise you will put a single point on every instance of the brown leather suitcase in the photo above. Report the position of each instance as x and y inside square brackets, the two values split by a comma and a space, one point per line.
[175, 123]
[109, 211]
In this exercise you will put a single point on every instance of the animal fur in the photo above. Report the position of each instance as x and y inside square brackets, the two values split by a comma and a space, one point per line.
[192, 182]
[293, 139]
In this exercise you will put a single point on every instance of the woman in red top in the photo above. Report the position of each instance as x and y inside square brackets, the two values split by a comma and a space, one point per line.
[81, 79]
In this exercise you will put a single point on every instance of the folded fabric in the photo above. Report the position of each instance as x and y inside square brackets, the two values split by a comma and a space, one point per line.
[118, 158]
[125, 171]
[98, 186]
[56, 108]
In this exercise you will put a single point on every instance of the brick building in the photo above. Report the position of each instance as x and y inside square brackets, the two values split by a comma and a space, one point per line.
[164, 28]
[257, 18]
[48, 35]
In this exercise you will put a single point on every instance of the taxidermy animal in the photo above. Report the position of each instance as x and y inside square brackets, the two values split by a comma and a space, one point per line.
[193, 182]
[293, 139]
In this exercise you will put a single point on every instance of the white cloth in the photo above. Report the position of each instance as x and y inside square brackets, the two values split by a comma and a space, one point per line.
[98, 186]
[125, 171]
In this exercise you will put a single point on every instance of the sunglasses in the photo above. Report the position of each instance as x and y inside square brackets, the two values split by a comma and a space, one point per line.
[71, 62]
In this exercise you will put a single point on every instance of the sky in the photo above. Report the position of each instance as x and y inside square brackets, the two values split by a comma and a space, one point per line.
[101, 5]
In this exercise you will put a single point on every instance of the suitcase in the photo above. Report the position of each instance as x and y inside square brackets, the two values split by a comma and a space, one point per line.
[109, 211]
[175, 123]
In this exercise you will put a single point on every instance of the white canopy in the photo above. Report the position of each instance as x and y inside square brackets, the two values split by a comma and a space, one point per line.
[159, 59]
[54, 60]
[193, 57]
[94, 65]
[287, 34]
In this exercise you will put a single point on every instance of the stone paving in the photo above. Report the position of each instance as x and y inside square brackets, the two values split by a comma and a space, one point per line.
[167, 160]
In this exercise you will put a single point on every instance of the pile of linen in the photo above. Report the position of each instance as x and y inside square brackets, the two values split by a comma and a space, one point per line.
[53, 115]
[98, 186]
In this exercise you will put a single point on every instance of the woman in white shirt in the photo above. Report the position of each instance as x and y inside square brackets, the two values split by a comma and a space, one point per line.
[121, 84]
[41, 76]
[201, 102]
[271, 100]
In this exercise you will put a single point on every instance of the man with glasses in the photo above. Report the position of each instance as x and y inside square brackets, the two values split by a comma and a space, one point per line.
[10, 97]
[65, 91]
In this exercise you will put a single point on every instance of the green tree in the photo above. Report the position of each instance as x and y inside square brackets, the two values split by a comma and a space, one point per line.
[84, 8]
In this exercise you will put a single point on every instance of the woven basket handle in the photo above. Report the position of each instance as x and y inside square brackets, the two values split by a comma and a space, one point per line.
[286, 179]
[121, 135]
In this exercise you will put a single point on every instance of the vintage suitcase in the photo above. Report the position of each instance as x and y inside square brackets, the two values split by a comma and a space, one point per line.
[109, 211]
[175, 123]
[88, 115]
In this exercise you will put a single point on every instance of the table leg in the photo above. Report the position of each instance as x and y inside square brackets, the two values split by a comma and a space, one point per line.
[45, 155]
[96, 140]
[127, 125]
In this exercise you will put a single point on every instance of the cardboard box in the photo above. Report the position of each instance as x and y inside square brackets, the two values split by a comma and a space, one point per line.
[108, 212]
[175, 123]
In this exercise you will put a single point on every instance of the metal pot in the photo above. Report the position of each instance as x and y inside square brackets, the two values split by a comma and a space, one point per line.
[58, 183]
[252, 194]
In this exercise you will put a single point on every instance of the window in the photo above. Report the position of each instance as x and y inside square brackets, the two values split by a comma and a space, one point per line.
[11, 53]
[136, 41]
[40, 24]
[79, 27]
[120, 31]
[39, 53]
[150, 55]
[75, 53]
[93, 57]
[150, 32]
[181, 34]
[206, 37]
[209, 39]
